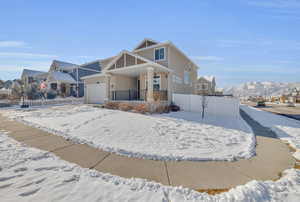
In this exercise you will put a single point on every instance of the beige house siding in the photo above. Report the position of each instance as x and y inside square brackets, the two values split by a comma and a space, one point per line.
[149, 54]
[119, 82]
[178, 63]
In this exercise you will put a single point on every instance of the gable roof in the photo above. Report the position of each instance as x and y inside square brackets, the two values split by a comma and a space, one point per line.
[152, 42]
[134, 55]
[64, 65]
[60, 76]
[30, 72]
[207, 78]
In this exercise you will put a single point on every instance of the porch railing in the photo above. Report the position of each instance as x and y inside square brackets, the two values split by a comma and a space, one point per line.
[138, 95]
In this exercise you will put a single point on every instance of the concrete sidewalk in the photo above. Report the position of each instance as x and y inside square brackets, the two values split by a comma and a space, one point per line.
[273, 156]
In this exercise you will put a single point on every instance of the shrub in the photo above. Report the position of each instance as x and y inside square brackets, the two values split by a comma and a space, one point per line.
[125, 107]
[142, 108]
[111, 105]
[162, 109]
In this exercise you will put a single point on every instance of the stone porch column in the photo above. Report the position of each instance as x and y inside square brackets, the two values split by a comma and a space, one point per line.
[150, 72]
[170, 87]
[107, 82]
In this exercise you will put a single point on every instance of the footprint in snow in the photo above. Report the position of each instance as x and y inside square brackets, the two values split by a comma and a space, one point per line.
[28, 193]
[20, 169]
[3, 179]
[5, 186]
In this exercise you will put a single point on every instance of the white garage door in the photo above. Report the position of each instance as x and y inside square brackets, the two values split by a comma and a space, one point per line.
[95, 93]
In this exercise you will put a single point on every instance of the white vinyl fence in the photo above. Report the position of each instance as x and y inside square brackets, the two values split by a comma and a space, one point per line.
[217, 106]
[56, 101]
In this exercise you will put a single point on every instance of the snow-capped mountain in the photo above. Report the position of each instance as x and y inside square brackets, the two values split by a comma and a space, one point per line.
[266, 88]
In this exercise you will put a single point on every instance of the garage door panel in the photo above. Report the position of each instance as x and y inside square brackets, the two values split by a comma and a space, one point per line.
[96, 93]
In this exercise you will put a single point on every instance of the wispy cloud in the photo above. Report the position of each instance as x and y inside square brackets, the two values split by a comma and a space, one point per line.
[26, 55]
[207, 58]
[19, 66]
[12, 44]
[288, 4]
[260, 43]
[279, 9]
[232, 43]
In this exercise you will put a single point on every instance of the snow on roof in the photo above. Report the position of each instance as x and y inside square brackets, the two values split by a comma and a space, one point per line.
[65, 65]
[29, 72]
[208, 78]
[63, 77]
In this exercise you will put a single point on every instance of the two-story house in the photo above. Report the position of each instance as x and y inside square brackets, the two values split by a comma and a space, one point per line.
[206, 85]
[152, 71]
[65, 78]
[32, 76]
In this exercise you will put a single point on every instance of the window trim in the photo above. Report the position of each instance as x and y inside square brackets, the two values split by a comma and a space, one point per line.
[146, 82]
[158, 83]
[164, 53]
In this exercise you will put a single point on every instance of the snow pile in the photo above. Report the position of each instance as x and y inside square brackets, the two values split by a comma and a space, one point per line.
[174, 136]
[28, 174]
[286, 129]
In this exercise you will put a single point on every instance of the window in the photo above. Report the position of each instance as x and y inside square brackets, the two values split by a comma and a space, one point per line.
[53, 86]
[177, 79]
[204, 86]
[159, 54]
[156, 82]
[30, 79]
[186, 77]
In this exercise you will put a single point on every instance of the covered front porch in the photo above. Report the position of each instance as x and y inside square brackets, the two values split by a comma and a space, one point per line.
[142, 82]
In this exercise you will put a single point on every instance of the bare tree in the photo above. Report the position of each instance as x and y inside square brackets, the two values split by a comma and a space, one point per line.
[204, 105]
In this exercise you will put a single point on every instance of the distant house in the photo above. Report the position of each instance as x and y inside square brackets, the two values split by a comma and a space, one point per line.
[7, 84]
[219, 91]
[206, 85]
[65, 77]
[5, 91]
[30, 76]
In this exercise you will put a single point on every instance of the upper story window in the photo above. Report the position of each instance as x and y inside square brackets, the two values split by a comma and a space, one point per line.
[186, 77]
[203, 86]
[159, 53]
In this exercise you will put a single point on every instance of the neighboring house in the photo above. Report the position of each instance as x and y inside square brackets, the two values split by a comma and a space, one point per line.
[206, 85]
[32, 76]
[219, 92]
[65, 78]
[5, 91]
[152, 71]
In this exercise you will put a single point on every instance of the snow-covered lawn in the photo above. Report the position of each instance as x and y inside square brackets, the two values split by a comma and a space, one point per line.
[174, 136]
[28, 174]
[286, 128]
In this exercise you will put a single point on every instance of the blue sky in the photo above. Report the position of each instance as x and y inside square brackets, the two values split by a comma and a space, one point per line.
[235, 40]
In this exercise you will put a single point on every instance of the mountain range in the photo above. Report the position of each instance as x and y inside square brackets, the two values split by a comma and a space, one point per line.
[265, 88]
